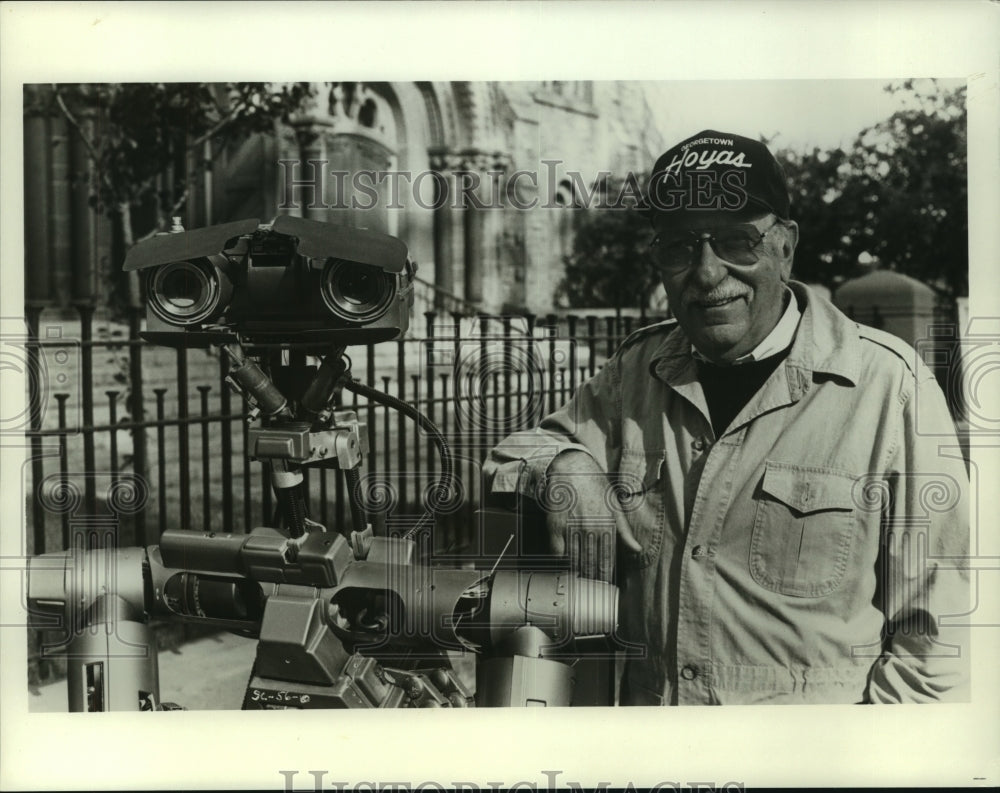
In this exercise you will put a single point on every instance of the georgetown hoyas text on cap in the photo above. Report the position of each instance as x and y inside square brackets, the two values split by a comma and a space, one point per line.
[717, 171]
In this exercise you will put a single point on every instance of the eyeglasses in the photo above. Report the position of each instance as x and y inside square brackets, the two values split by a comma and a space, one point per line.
[733, 244]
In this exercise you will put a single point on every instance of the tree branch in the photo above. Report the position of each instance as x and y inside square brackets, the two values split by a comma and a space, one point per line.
[221, 124]
[94, 155]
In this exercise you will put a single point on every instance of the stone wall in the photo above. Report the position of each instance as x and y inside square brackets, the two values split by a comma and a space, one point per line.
[567, 134]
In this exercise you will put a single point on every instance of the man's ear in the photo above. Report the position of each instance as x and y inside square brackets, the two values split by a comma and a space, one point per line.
[789, 240]
[791, 237]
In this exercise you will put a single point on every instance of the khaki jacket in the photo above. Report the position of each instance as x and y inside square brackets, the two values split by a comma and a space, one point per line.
[816, 552]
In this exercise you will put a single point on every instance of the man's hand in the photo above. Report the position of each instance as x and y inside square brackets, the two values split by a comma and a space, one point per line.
[583, 516]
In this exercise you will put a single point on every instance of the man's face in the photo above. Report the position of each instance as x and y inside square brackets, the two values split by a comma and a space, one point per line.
[727, 309]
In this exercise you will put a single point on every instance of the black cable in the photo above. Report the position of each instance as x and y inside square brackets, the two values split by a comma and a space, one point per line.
[443, 491]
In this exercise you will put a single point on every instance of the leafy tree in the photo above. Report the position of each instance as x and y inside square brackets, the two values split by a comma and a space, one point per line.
[898, 197]
[609, 266]
[146, 141]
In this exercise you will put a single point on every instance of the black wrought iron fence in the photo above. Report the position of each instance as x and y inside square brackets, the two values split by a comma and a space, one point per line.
[153, 438]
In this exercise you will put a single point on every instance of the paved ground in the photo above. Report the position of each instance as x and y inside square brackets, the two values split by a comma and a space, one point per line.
[206, 674]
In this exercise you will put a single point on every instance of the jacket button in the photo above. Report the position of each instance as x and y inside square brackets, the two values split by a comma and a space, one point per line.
[698, 551]
[689, 673]
[698, 444]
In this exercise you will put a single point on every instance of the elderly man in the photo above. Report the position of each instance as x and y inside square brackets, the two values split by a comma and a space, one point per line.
[790, 509]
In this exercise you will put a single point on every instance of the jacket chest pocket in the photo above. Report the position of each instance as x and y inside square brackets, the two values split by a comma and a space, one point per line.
[802, 530]
[639, 491]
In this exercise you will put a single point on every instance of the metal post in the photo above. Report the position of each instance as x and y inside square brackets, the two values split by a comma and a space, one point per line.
[182, 437]
[33, 315]
[137, 410]
[161, 458]
[206, 485]
[86, 311]
[63, 474]
[401, 462]
[227, 445]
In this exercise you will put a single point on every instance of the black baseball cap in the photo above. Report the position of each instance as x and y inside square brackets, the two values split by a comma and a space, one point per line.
[716, 171]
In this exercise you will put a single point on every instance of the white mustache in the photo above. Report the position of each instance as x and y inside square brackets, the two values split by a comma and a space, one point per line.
[712, 298]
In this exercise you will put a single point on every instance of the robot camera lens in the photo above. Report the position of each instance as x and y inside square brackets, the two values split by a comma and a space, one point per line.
[186, 293]
[356, 292]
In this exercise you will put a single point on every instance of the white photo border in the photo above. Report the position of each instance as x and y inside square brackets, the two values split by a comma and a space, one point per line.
[754, 746]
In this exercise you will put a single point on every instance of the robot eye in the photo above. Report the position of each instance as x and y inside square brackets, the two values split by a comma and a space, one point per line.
[189, 292]
[356, 292]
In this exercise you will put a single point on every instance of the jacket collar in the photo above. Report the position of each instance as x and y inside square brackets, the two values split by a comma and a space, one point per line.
[826, 342]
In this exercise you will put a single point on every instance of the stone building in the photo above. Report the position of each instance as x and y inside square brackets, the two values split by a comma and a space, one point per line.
[537, 150]
[478, 178]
